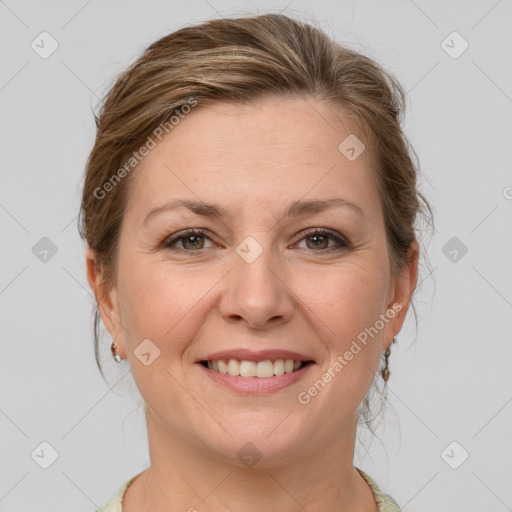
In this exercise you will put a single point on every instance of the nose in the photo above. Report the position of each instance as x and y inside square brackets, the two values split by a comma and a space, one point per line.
[257, 293]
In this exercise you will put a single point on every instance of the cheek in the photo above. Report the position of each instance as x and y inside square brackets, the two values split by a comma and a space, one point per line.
[346, 307]
[345, 301]
[158, 303]
[347, 304]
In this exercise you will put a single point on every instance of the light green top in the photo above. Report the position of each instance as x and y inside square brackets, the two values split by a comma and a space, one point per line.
[385, 502]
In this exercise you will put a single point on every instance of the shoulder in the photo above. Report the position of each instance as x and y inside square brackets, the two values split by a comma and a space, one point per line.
[115, 503]
[384, 501]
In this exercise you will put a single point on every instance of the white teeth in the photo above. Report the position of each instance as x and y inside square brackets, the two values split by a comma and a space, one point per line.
[223, 367]
[247, 368]
[233, 367]
[264, 369]
[288, 366]
[261, 369]
[279, 367]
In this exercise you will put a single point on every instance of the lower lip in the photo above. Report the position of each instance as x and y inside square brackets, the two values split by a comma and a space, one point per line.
[256, 385]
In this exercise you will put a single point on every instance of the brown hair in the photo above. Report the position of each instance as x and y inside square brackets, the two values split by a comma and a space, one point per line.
[244, 60]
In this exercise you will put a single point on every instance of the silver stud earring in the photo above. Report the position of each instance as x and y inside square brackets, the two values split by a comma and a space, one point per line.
[115, 355]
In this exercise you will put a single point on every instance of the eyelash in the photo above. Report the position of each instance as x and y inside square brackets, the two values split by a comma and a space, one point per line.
[170, 242]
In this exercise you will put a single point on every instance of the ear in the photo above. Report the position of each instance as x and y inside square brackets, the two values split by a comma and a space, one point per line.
[402, 288]
[107, 302]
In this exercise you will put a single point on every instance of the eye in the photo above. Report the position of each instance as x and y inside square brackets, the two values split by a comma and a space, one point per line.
[190, 240]
[193, 240]
[318, 240]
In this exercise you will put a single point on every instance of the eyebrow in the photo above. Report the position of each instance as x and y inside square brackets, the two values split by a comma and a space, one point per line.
[296, 209]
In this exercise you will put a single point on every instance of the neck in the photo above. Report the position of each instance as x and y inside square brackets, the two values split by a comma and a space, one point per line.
[189, 478]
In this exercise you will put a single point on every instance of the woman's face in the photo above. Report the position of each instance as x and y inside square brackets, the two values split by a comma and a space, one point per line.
[259, 278]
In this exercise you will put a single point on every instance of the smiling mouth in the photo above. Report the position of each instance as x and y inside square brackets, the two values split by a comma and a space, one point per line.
[252, 369]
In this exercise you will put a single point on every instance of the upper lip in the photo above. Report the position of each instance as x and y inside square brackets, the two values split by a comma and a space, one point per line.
[251, 355]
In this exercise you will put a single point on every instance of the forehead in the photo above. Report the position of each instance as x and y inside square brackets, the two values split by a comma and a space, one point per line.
[278, 149]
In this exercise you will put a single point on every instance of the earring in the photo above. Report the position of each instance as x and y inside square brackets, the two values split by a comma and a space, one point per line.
[113, 349]
[385, 372]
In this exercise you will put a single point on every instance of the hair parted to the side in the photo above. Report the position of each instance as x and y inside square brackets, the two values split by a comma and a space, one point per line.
[243, 60]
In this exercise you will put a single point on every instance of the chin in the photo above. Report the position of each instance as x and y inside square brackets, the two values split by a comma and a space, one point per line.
[258, 442]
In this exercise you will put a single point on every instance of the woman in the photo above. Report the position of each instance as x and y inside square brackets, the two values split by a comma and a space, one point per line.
[249, 209]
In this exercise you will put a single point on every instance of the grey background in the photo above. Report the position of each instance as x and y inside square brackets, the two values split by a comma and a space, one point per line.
[450, 383]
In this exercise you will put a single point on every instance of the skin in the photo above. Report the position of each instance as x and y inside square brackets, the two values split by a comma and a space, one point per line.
[254, 161]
